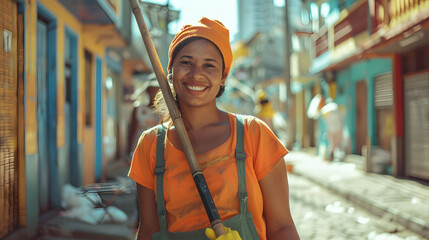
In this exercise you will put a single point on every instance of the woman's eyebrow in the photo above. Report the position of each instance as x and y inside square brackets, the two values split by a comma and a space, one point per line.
[206, 59]
[211, 60]
[186, 56]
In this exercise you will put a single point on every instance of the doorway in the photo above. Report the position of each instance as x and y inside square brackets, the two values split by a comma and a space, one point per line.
[361, 115]
[72, 165]
[47, 111]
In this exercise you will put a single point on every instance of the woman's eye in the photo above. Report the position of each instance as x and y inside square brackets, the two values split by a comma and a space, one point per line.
[185, 62]
[208, 65]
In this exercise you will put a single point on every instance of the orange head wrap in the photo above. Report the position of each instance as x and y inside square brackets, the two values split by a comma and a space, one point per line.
[212, 30]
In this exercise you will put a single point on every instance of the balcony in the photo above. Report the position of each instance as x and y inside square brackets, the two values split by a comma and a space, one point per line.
[93, 11]
[104, 19]
[352, 25]
[398, 26]
[400, 11]
[321, 43]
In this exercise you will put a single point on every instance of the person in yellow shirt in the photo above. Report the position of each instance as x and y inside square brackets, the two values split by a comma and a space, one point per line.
[263, 108]
[240, 157]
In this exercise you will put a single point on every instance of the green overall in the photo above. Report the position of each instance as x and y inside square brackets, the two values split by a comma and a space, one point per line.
[243, 222]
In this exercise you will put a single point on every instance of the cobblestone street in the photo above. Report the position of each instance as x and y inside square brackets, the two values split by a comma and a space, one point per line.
[320, 214]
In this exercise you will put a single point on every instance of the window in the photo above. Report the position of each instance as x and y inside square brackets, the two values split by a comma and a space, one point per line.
[305, 17]
[89, 76]
[324, 10]
[314, 8]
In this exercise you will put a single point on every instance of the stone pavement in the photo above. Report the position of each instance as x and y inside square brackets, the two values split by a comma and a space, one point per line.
[320, 214]
[403, 201]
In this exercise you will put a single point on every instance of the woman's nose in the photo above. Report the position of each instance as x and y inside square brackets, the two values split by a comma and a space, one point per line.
[195, 71]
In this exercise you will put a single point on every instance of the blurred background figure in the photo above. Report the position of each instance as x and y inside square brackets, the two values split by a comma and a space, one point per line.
[263, 108]
[265, 111]
[333, 116]
[143, 115]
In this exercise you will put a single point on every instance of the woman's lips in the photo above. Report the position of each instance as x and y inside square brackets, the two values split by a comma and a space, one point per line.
[195, 88]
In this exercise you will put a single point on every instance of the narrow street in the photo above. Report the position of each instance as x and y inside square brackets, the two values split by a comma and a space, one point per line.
[343, 84]
[321, 214]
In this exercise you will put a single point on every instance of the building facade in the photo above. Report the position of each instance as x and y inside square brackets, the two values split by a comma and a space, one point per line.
[369, 57]
[254, 16]
[66, 71]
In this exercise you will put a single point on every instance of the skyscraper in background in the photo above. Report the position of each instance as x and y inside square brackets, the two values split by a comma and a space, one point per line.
[255, 16]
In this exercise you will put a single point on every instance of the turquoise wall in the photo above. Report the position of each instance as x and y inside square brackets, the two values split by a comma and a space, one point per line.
[346, 92]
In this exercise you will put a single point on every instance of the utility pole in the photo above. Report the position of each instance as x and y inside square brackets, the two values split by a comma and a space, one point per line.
[165, 37]
[290, 102]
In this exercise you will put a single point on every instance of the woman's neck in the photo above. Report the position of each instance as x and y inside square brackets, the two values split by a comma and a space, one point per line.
[198, 118]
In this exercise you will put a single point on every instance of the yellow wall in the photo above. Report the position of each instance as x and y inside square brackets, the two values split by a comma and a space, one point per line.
[64, 18]
[30, 70]
[86, 40]
[90, 43]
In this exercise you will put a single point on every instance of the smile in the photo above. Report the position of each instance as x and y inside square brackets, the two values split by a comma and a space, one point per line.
[195, 88]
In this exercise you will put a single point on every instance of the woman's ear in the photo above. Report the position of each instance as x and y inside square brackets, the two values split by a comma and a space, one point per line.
[223, 80]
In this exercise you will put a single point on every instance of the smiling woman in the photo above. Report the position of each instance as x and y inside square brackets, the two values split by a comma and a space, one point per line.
[197, 74]
[241, 159]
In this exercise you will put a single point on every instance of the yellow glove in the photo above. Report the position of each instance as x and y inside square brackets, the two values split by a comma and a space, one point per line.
[228, 235]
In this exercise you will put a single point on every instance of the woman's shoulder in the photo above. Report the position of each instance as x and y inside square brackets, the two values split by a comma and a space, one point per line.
[150, 135]
[256, 128]
[251, 121]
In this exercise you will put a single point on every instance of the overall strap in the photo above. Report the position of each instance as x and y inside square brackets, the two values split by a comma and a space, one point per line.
[240, 156]
[159, 172]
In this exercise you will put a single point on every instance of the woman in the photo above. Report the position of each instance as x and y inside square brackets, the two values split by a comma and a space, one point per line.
[254, 204]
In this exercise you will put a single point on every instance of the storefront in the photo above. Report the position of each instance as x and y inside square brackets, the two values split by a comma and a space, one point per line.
[416, 105]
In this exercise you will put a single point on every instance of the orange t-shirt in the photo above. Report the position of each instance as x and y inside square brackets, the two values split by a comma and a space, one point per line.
[185, 211]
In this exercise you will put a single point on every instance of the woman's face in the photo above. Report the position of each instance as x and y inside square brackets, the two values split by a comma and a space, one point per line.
[197, 73]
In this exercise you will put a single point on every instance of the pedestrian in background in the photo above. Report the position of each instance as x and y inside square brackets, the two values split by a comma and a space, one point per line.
[143, 116]
[264, 110]
[250, 189]
[339, 139]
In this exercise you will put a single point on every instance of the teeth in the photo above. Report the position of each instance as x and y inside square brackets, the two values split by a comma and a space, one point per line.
[195, 88]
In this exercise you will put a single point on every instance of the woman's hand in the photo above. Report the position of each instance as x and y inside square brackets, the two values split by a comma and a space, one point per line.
[228, 235]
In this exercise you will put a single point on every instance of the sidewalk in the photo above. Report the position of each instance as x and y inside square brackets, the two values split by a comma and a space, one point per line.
[58, 227]
[404, 201]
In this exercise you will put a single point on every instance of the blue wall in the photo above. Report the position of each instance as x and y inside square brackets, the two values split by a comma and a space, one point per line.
[98, 118]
